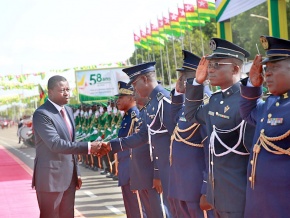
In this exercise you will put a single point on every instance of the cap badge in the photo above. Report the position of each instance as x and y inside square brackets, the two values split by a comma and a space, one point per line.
[264, 42]
[212, 45]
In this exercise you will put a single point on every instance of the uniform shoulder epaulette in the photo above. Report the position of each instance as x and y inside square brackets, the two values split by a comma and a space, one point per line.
[205, 99]
[133, 114]
[159, 96]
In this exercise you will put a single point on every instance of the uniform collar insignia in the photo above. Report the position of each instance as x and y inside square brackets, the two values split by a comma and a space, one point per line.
[159, 96]
[133, 114]
[233, 89]
[205, 99]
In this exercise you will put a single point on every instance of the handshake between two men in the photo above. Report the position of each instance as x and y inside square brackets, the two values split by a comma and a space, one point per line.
[100, 148]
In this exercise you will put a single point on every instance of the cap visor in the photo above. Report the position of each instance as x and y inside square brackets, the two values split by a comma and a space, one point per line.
[272, 59]
[180, 69]
[217, 56]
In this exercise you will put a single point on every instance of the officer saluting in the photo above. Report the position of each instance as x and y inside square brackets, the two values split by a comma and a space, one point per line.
[187, 151]
[156, 127]
[230, 137]
[269, 179]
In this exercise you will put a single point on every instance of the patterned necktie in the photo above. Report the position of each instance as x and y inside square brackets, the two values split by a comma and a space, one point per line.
[67, 122]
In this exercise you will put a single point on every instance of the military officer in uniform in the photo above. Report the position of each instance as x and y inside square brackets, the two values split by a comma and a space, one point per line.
[126, 103]
[187, 151]
[229, 135]
[268, 171]
[156, 127]
[142, 179]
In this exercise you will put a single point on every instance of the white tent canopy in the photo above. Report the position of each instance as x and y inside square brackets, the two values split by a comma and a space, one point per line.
[236, 7]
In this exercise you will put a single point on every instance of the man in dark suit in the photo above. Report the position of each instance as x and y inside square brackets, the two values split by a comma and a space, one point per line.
[56, 175]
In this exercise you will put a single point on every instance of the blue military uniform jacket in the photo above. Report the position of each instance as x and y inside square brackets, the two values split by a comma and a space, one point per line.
[269, 196]
[159, 141]
[188, 161]
[124, 156]
[141, 166]
[227, 172]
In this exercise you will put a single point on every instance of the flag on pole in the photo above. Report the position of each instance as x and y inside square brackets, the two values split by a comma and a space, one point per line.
[175, 25]
[174, 21]
[160, 26]
[154, 39]
[192, 15]
[155, 32]
[182, 20]
[206, 9]
[137, 42]
[42, 95]
[190, 11]
[166, 26]
[143, 39]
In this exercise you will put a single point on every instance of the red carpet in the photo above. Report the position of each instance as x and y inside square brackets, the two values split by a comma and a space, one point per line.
[17, 199]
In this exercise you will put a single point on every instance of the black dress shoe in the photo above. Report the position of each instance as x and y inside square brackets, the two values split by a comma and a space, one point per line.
[103, 172]
[115, 178]
[109, 175]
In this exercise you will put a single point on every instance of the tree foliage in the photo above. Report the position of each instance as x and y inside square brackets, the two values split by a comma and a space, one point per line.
[247, 29]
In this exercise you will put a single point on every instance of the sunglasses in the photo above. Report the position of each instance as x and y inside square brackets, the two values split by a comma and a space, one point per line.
[216, 65]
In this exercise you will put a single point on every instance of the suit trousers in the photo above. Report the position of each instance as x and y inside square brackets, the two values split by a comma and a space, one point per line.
[58, 204]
